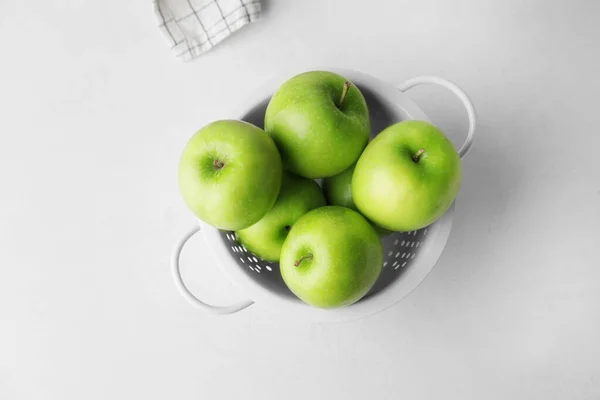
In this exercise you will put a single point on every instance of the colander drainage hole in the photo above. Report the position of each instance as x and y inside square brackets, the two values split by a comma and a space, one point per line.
[268, 268]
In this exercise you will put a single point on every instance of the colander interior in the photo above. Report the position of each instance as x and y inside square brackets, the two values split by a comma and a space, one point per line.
[401, 249]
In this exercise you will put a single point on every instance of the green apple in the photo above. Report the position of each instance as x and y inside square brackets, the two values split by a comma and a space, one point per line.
[407, 177]
[320, 123]
[297, 196]
[338, 191]
[331, 257]
[230, 174]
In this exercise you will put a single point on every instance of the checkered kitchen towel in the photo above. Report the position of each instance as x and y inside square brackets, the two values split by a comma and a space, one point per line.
[193, 27]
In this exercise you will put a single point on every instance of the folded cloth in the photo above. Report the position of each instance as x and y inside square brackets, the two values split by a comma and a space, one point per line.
[193, 27]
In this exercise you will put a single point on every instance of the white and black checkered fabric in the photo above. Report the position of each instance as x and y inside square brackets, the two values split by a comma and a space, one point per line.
[193, 27]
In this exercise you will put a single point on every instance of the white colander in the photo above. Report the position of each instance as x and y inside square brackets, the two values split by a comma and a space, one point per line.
[408, 257]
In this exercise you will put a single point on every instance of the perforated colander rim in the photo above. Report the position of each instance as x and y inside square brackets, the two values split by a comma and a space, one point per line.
[429, 253]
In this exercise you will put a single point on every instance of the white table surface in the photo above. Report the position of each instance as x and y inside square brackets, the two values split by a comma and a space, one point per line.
[95, 112]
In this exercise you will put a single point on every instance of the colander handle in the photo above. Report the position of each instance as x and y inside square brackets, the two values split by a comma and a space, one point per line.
[221, 310]
[462, 96]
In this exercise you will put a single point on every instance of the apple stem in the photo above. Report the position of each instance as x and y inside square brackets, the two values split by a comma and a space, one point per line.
[218, 164]
[418, 155]
[344, 92]
[307, 257]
